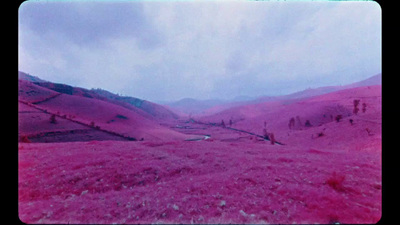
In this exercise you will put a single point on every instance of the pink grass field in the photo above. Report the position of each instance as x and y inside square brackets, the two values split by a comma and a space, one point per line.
[230, 177]
[196, 182]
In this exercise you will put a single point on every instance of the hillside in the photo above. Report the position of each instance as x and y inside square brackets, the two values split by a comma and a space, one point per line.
[157, 112]
[75, 111]
[145, 108]
[208, 107]
[320, 111]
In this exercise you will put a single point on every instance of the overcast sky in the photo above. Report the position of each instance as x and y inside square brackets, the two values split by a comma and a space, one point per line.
[162, 51]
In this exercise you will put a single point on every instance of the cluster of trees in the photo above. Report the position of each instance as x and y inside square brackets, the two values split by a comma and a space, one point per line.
[223, 123]
[293, 121]
[356, 102]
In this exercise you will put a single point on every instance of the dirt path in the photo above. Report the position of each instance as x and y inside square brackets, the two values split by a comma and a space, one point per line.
[228, 128]
[46, 99]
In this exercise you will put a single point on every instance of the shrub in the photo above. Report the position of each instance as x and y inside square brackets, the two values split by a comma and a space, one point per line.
[338, 118]
[336, 182]
[291, 123]
[355, 104]
[272, 138]
[53, 118]
[364, 107]
[25, 139]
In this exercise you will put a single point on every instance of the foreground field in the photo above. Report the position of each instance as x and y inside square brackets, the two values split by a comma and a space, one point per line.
[209, 181]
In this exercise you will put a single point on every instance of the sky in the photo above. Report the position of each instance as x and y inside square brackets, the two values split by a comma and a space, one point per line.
[170, 50]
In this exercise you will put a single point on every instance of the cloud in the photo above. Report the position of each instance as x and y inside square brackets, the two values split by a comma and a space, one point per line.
[173, 50]
[89, 23]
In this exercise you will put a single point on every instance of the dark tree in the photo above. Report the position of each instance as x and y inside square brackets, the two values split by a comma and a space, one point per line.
[272, 138]
[355, 104]
[25, 139]
[291, 123]
[53, 119]
[364, 107]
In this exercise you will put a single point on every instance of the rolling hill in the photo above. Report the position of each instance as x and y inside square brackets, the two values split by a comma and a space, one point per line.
[208, 107]
[320, 112]
[87, 115]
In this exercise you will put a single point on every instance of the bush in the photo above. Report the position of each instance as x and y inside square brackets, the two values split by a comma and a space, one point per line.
[336, 182]
[355, 104]
[291, 123]
[53, 119]
[364, 107]
[25, 139]
[272, 137]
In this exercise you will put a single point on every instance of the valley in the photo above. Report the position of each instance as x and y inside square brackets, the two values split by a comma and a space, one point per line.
[114, 159]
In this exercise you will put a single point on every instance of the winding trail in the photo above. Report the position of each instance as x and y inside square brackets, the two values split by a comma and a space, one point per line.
[230, 128]
[46, 99]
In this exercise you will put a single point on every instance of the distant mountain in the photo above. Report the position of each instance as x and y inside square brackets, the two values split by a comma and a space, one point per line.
[194, 106]
[203, 107]
[310, 92]
[374, 80]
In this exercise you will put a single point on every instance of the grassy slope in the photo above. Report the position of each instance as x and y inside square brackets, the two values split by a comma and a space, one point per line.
[108, 116]
[199, 182]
